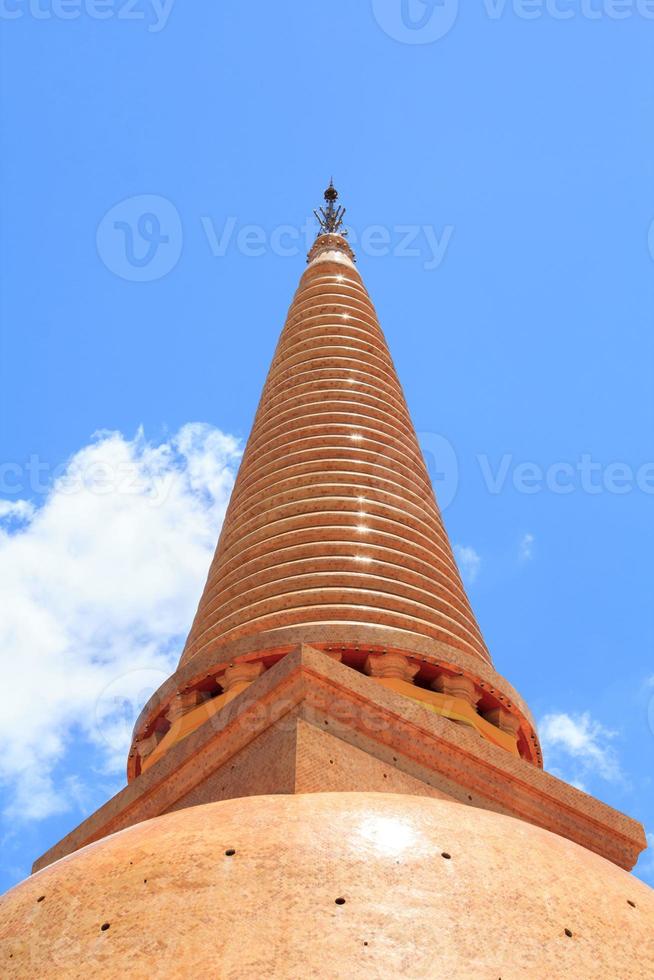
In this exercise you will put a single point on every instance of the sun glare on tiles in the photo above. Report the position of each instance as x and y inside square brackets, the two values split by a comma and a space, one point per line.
[388, 835]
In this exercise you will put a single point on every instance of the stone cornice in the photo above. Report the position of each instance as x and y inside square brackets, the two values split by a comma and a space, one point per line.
[306, 684]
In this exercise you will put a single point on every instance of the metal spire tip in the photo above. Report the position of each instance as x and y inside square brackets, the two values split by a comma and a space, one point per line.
[330, 218]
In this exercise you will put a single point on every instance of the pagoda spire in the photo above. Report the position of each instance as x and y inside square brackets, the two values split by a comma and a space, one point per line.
[333, 516]
[330, 217]
[333, 537]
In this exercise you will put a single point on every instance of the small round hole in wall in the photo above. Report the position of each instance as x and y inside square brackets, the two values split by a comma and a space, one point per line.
[105, 926]
[568, 933]
[230, 852]
[629, 902]
[448, 857]
[340, 901]
[41, 898]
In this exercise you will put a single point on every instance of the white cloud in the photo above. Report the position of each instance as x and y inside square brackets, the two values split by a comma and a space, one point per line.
[526, 549]
[15, 510]
[469, 562]
[580, 744]
[98, 586]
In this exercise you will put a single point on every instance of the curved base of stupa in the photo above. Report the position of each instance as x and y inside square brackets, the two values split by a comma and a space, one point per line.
[330, 885]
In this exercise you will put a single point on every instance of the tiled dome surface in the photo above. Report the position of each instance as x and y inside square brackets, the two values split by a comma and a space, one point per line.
[330, 885]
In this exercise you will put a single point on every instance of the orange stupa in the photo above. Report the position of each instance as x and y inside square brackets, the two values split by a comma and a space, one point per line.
[336, 782]
[333, 518]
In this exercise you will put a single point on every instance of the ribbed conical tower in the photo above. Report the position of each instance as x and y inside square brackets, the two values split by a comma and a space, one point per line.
[333, 536]
[333, 516]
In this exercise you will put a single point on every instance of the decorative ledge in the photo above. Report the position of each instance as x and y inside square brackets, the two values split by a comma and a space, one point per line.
[417, 747]
[436, 676]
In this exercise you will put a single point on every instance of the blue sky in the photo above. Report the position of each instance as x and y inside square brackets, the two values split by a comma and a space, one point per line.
[160, 166]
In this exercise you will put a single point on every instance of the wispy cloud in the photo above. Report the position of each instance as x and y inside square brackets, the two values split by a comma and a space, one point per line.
[578, 748]
[469, 562]
[98, 585]
[526, 548]
[15, 510]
